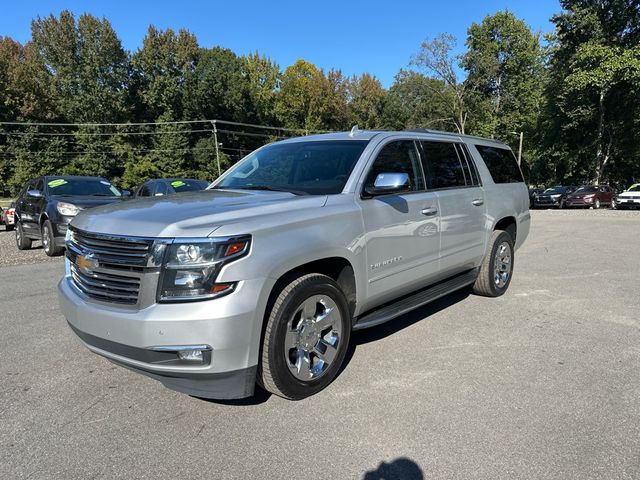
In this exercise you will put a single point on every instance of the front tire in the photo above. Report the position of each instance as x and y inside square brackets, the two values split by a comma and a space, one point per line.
[596, 205]
[306, 337]
[49, 241]
[22, 242]
[496, 270]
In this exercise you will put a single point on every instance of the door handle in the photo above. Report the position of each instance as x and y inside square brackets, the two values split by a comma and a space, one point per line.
[478, 201]
[429, 211]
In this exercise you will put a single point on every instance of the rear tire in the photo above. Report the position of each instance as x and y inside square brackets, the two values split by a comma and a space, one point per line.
[8, 228]
[49, 241]
[496, 270]
[22, 242]
[306, 338]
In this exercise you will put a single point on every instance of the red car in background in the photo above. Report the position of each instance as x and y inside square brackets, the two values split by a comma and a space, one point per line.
[7, 217]
[589, 196]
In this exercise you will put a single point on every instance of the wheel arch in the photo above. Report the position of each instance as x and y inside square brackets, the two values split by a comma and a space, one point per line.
[509, 225]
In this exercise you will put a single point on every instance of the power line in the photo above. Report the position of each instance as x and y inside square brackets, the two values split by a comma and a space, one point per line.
[98, 134]
[177, 122]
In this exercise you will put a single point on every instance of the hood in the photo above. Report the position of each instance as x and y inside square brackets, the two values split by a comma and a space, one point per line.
[628, 194]
[190, 214]
[86, 201]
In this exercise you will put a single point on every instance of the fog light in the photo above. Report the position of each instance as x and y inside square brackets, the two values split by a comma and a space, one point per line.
[191, 355]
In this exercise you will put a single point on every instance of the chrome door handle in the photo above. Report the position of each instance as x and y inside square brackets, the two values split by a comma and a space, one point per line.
[478, 201]
[430, 211]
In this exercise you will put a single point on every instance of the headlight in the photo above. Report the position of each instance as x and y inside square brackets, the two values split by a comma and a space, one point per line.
[67, 209]
[190, 268]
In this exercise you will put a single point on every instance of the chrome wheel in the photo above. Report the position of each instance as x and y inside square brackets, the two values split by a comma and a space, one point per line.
[597, 206]
[313, 337]
[502, 265]
[19, 235]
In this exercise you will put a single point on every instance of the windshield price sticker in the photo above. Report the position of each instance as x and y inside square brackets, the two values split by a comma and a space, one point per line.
[57, 183]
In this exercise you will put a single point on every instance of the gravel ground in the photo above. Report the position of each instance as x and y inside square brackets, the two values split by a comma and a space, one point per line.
[543, 382]
[10, 255]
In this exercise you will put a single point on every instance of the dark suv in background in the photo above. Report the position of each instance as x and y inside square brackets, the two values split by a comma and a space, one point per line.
[169, 186]
[46, 205]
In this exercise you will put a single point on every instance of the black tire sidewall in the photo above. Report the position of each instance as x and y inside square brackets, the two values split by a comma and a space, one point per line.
[22, 242]
[503, 237]
[286, 382]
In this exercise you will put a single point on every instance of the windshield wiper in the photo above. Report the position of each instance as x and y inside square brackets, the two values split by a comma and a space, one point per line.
[269, 188]
[101, 195]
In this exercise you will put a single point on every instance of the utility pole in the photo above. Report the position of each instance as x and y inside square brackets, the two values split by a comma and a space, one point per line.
[215, 139]
[521, 134]
[520, 148]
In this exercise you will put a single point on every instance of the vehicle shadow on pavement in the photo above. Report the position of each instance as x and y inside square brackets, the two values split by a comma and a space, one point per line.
[400, 468]
[259, 396]
[391, 327]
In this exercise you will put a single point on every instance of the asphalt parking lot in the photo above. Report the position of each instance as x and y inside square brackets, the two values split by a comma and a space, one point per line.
[543, 382]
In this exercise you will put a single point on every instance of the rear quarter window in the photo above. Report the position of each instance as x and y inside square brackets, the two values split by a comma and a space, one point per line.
[502, 164]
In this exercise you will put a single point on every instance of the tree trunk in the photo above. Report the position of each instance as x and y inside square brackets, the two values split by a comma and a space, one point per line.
[600, 154]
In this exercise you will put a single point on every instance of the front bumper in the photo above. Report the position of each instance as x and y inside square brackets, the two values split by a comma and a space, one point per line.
[230, 325]
[623, 203]
[546, 202]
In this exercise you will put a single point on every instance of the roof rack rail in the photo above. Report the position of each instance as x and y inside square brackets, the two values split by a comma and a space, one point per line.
[429, 130]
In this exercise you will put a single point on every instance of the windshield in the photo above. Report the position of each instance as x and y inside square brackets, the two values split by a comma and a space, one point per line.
[587, 190]
[84, 186]
[186, 185]
[313, 168]
[634, 188]
[554, 190]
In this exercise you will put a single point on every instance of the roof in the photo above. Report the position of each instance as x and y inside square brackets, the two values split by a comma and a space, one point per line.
[367, 135]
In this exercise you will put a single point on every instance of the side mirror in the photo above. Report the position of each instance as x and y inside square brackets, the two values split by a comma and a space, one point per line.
[387, 183]
[34, 193]
[126, 192]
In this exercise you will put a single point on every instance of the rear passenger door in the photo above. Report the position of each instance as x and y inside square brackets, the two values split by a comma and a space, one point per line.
[452, 174]
[402, 236]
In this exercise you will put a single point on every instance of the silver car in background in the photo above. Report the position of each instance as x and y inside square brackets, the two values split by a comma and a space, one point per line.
[261, 278]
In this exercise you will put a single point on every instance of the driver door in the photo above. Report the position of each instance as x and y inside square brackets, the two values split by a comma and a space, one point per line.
[402, 230]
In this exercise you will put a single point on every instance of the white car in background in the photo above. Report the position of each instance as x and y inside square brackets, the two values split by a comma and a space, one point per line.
[630, 198]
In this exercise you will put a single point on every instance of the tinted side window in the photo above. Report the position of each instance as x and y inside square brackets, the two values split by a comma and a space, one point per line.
[145, 190]
[161, 188]
[471, 170]
[442, 165]
[398, 157]
[40, 186]
[502, 164]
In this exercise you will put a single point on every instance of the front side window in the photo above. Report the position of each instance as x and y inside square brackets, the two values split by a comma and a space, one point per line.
[398, 157]
[443, 166]
[306, 167]
[161, 188]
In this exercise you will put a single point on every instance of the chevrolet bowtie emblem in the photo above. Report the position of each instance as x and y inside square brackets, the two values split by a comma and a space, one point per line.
[87, 263]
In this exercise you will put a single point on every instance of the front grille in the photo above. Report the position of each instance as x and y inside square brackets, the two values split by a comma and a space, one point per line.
[106, 287]
[111, 267]
[110, 251]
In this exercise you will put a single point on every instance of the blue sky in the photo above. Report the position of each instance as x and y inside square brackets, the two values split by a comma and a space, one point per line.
[356, 37]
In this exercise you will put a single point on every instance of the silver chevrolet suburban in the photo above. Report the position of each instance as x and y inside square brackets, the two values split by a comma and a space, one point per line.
[262, 277]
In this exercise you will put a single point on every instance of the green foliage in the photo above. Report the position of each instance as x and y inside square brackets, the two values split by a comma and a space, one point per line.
[577, 100]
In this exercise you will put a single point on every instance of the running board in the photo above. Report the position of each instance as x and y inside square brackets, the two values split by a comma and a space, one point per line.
[415, 300]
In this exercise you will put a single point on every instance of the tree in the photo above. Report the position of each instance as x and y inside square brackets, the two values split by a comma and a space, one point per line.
[163, 67]
[88, 66]
[366, 101]
[263, 77]
[436, 59]
[505, 70]
[219, 88]
[592, 97]
[417, 101]
[310, 100]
